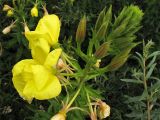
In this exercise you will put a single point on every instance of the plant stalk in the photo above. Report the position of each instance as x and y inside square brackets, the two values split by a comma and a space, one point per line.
[146, 89]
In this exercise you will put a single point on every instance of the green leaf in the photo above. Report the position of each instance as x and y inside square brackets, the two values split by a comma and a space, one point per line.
[150, 71]
[132, 81]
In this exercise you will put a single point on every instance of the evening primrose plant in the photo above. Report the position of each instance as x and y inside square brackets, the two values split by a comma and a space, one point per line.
[54, 75]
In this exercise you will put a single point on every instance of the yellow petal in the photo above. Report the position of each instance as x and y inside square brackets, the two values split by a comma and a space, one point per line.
[51, 25]
[40, 76]
[51, 89]
[19, 81]
[52, 59]
[42, 86]
[34, 36]
[40, 50]
[29, 91]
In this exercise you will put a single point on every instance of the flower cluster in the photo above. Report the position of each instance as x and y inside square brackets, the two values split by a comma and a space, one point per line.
[35, 78]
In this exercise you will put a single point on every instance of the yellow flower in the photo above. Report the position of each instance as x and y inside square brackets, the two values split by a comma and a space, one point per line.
[34, 80]
[45, 35]
[10, 13]
[48, 27]
[34, 11]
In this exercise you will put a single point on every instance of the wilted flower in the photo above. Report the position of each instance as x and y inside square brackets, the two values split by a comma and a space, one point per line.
[6, 7]
[34, 11]
[10, 13]
[8, 28]
[104, 109]
[34, 80]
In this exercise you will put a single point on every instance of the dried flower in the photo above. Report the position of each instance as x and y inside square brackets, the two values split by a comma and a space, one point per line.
[6, 7]
[7, 29]
[104, 109]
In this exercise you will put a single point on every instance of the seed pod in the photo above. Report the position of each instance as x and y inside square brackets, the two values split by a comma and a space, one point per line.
[81, 30]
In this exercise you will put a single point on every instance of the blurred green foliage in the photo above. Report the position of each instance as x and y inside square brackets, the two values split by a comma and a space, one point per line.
[14, 48]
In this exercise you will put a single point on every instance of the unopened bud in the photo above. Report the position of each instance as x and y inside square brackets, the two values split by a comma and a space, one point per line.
[34, 11]
[102, 31]
[102, 50]
[104, 109]
[58, 116]
[118, 61]
[99, 21]
[10, 13]
[6, 8]
[81, 30]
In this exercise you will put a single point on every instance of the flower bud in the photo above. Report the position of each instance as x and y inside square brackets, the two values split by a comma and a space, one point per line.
[100, 19]
[104, 109]
[102, 50]
[6, 8]
[118, 60]
[34, 11]
[58, 116]
[10, 13]
[81, 30]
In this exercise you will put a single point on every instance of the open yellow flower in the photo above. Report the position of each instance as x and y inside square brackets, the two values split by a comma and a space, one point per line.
[45, 35]
[48, 27]
[34, 80]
